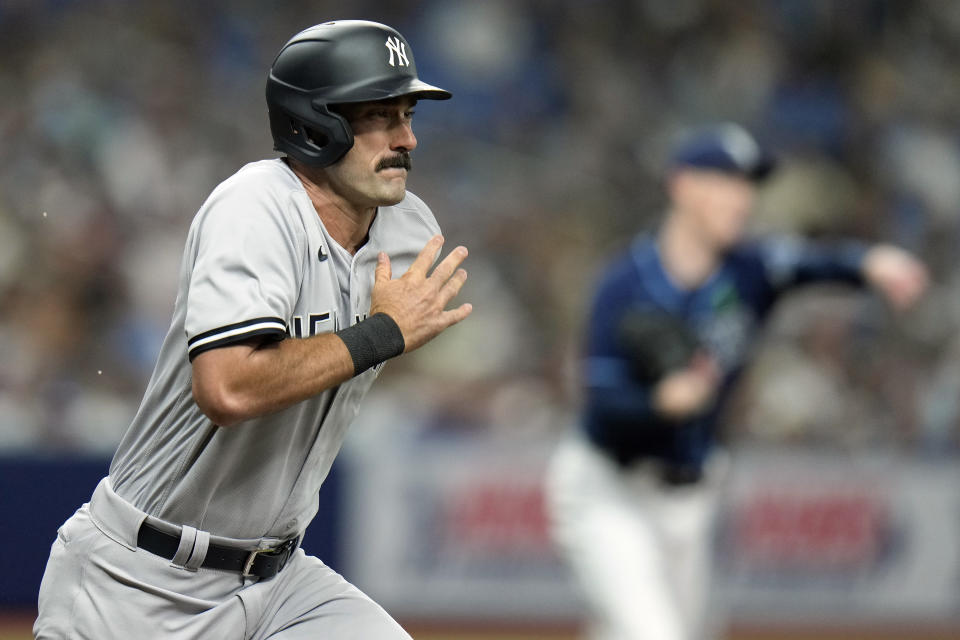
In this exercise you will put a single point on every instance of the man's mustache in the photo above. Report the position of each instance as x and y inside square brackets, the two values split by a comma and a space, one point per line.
[399, 161]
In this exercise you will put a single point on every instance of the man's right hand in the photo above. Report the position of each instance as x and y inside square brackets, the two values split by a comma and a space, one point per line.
[688, 392]
[417, 300]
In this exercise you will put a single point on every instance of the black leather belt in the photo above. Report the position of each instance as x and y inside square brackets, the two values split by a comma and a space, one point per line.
[264, 563]
[680, 475]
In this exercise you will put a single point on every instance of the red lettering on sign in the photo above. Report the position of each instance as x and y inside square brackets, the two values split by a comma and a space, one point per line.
[498, 518]
[840, 530]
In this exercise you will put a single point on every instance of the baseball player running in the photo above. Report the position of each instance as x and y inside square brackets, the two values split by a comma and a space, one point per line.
[287, 307]
[632, 495]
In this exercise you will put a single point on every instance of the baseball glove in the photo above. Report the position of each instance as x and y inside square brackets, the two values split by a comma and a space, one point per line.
[656, 342]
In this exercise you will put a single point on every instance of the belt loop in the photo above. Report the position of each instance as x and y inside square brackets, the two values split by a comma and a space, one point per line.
[188, 536]
[199, 551]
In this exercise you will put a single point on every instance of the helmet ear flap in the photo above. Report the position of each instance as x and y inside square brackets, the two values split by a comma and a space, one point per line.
[319, 142]
[331, 125]
[316, 138]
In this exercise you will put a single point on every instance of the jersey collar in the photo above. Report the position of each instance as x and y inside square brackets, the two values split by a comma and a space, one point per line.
[662, 288]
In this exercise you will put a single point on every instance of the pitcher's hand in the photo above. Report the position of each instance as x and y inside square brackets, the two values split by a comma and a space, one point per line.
[689, 391]
[897, 274]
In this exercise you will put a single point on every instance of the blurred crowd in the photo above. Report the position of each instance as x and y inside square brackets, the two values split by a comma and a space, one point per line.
[119, 116]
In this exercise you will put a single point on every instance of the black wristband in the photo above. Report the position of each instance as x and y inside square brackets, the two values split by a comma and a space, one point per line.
[372, 341]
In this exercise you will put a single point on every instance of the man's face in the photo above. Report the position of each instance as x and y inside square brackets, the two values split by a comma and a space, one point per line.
[374, 172]
[718, 204]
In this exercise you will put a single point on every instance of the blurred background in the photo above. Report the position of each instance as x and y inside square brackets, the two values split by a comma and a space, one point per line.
[118, 117]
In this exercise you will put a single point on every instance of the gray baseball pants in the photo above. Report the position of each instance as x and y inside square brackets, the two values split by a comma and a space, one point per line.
[99, 585]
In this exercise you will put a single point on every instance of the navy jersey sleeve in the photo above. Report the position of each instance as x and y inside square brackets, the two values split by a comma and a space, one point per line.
[619, 416]
[789, 261]
[611, 387]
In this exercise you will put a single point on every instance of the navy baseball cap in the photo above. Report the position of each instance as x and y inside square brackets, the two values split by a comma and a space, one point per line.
[726, 147]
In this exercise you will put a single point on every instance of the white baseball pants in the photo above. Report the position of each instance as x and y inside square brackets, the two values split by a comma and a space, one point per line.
[640, 551]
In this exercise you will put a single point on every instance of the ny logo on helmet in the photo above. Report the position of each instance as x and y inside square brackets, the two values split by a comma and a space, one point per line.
[395, 46]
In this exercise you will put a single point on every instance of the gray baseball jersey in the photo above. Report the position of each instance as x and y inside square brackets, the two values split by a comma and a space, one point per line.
[258, 262]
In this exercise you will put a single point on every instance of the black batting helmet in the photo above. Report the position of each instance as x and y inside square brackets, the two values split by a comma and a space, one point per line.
[334, 63]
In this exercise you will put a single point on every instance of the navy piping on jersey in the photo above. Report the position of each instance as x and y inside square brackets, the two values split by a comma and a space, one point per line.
[236, 332]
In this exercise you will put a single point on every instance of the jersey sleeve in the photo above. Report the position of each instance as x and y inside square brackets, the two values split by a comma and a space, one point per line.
[790, 261]
[618, 414]
[247, 271]
[613, 391]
